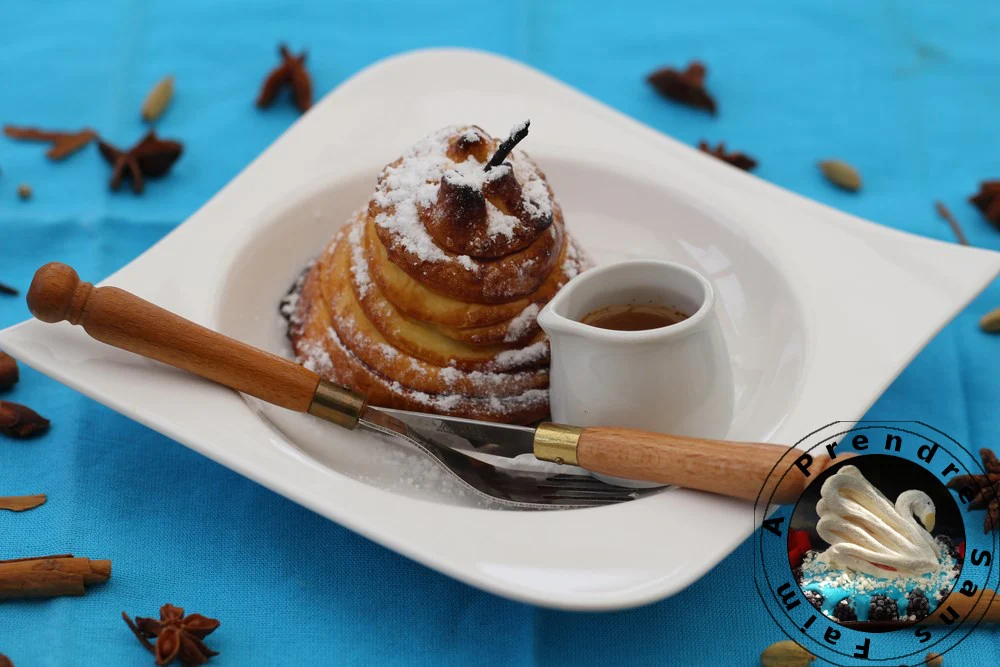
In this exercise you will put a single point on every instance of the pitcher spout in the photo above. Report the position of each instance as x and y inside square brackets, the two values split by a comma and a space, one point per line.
[554, 324]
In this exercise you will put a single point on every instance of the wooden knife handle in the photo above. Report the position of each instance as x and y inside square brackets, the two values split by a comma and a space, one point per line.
[121, 319]
[734, 469]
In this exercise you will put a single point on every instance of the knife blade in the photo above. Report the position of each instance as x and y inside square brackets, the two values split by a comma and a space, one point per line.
[463, 434]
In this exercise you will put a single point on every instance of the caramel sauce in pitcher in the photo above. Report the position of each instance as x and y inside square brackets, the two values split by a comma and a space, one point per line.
[633, 317]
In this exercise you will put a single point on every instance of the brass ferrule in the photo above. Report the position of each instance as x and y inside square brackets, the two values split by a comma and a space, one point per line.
[557, 443]
[337, 404]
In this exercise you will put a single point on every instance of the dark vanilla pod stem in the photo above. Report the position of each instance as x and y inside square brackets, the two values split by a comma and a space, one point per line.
[507, 146]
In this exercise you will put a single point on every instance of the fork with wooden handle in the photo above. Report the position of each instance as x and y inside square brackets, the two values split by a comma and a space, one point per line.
[123, 320]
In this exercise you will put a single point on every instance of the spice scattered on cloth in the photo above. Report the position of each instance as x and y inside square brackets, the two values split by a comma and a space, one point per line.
[152, 157]
[178, 637]
[291, 73]
[686, 87]
[735, 158]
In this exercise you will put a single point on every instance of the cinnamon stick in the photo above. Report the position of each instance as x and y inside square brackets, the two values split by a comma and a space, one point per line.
[45, 584]
[64, 144]
[21, 503]
[50, 576]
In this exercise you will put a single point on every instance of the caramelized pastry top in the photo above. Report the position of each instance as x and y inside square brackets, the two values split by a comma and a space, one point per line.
[447, 221]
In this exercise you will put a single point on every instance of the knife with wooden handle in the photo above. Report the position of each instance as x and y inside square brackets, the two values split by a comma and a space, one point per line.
[123, 320]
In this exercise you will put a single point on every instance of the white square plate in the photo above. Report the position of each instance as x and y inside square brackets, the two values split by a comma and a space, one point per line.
[821, 312]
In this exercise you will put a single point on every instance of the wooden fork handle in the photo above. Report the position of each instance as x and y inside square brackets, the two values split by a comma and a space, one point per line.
[734, 469]
[121, 319]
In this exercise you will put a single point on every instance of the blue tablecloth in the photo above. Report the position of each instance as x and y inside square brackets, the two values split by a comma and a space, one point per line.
[906, 91]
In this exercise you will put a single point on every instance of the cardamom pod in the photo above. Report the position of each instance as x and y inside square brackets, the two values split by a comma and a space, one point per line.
[991, 322]
[158, 99]
[20, 421]
[785, 654]
[933, 660]
[841, 174]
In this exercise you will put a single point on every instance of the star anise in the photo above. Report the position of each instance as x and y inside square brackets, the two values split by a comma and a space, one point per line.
[150, 158]
[291, 72]
[735, 158]
[687, 87]
[985, 489]
[987, 200]
[178, 637]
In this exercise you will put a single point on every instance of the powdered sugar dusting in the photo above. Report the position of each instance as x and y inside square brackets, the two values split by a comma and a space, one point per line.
[534, 192]
[476, 177]
[499, 223]
[412, 184]
[526, 356]
[317, 359]
[520, 325]
[575, 262]
[359, 265]
[289, 306]
[468, 263]
[450, 375]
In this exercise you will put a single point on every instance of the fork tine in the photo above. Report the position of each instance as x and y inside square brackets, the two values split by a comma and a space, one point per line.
[542, 482]
[538, 500]
[561, 480]
[569, 494]
[565, 476]
[527, 490]
[522, 489]
[580, 481]
[578, 504]
[580, 486]
[558, 490]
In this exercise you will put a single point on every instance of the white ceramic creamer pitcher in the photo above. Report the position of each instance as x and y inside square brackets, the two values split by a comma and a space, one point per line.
[675, 379]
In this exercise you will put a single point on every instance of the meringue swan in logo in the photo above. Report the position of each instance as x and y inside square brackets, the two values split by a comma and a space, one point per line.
[869, 534]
